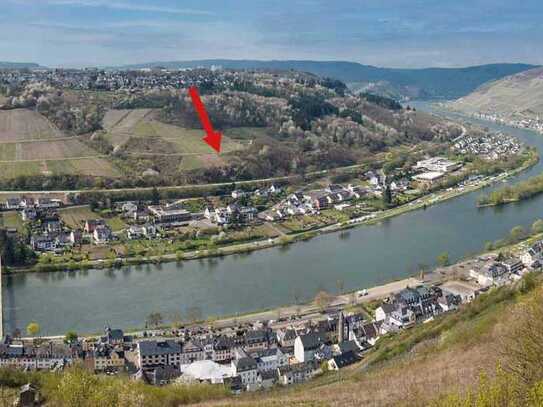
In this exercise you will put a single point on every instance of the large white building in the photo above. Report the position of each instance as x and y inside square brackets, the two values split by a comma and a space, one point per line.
[438, 164]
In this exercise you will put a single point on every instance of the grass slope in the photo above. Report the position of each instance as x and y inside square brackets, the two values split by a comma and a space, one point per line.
[142, 137]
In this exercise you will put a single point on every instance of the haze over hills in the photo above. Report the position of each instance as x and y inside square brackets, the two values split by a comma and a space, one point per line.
[515, 96]
[19, 65]
[428, 83]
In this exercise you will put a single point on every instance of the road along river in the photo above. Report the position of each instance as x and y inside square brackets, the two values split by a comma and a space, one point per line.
[367, 256]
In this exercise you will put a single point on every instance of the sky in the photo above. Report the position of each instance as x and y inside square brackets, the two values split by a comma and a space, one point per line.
[390, 33]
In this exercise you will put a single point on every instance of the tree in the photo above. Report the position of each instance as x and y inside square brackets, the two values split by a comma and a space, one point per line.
[387, 195]
[33, 328]
[194, 314]
[443, 259]
[537, 226]
[155, 319]
[155, 196]
[70, 337]
[340, 285]
[177, 320]
[517, 233]
[322, 300]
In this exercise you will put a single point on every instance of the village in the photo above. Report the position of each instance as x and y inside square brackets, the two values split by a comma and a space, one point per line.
[64, 232]
[253, 354]
[95, 79]
[532, 123]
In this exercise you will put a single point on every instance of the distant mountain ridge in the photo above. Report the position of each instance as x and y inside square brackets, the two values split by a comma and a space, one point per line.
[19, 65]
[426, 83]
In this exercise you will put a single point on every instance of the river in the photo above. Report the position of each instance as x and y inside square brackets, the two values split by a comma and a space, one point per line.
[85, 301]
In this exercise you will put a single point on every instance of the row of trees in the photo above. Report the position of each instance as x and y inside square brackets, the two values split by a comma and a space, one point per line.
[518, 192]
[177, 319]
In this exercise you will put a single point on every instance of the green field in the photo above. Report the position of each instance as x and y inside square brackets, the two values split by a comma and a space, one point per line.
[13, 220]
[7, 152]
[93, 166]
[16, 169]
[186, 141]
[246, 133]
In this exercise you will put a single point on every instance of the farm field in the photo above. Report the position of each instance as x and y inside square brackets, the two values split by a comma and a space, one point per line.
[141, 136]
[187, 141]
[20, 168]
[31, 146]
[45, 150]
[92, 166]
[120, 124]
[192, 162]
[24, 124]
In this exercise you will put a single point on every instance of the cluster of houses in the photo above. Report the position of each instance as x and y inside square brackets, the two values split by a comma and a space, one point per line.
[498, 272]
[30, 207]
[244, 359]
[50, 234]
[114, 80]
[413, 305]
[525, 122]
[231, 214]
[312, 202]
[488, 146]
[28, 355]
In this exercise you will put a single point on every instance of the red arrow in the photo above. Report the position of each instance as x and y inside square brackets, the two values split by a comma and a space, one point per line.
[212, 138]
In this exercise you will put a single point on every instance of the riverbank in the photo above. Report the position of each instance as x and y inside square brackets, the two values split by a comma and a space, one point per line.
[247, 247]
[515, 193]
[363, 299]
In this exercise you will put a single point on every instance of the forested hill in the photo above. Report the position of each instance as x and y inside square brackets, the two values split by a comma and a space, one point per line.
[428, 83]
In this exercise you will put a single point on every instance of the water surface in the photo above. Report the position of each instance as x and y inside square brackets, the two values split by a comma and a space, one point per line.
[86, 300]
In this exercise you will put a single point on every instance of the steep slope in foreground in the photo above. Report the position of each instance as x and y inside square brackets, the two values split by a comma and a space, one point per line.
[442, 363]
[512, 97]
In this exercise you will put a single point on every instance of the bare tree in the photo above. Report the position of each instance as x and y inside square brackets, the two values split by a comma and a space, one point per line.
[323, 300]
[340, 285]
[155, 319]
[194, 314]
[177, 320]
